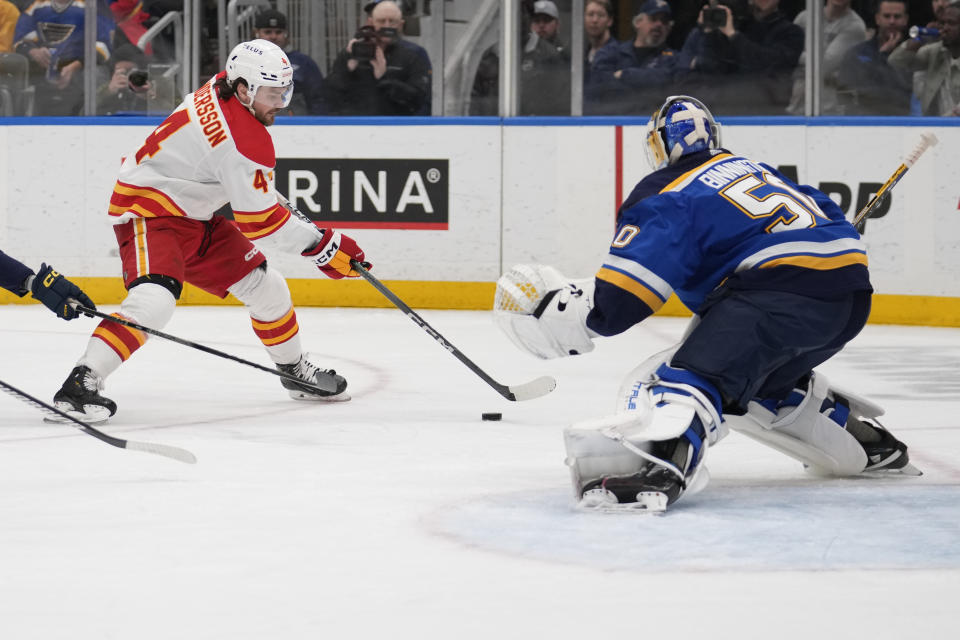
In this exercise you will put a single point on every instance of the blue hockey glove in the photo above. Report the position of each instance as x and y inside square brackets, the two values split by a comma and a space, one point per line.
[55, 292]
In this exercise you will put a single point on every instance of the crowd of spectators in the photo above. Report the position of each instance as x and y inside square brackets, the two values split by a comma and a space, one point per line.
[743, 57]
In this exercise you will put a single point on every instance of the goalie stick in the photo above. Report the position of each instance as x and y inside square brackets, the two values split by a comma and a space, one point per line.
[165, 450]
[193, 345]
[927, 140]
[527, 391]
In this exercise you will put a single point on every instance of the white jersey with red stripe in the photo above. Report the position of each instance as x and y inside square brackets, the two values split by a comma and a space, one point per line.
[207, 153]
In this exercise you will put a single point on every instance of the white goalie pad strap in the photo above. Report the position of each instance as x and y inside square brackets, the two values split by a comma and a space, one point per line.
[806, 434]
[558, 327]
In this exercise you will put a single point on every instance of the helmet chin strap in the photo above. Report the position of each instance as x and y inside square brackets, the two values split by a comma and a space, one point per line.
[249, 106]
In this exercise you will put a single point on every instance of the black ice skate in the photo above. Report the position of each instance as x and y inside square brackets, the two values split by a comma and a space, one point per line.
[327, 385]
[79, 397]
[884, 451]
[653, 488]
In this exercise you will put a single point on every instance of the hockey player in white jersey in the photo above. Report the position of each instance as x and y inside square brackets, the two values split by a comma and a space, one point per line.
[213, 149]
[778, 281]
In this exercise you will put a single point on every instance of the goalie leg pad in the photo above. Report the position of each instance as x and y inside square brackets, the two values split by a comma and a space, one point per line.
[655, 444]
[808, 426]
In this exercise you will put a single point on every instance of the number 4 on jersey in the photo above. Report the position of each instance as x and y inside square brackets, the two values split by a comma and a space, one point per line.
[167, 128]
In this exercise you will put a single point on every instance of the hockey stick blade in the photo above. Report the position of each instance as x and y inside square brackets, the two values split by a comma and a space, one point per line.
[533, 389]
[167, 451]
[193, 345]
[527, 391]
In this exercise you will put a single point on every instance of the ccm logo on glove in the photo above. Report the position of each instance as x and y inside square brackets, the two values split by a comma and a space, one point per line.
[333, 254]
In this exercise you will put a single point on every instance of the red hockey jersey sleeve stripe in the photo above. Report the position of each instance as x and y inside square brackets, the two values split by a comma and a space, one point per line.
[259, 224]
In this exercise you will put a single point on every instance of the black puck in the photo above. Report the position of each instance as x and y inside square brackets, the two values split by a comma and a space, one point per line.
[491, 416]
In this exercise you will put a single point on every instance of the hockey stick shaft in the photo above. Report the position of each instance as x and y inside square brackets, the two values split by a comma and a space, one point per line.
[927, 140]
[175, 453]
[192, 345]
[535, 388]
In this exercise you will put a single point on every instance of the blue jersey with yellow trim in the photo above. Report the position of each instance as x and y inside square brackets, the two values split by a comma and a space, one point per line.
[715, 218]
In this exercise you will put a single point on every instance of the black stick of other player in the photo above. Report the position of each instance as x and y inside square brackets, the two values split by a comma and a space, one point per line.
[166, 450]
[527, 391]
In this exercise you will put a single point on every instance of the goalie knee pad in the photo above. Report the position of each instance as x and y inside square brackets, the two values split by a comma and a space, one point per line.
[543, 313]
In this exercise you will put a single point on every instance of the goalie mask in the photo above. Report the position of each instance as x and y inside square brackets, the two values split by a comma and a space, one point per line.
[261, 64]
[683, 125]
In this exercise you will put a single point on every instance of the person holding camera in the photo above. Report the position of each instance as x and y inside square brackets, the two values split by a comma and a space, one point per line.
[379, 73]
[741, 57]
[129, 83]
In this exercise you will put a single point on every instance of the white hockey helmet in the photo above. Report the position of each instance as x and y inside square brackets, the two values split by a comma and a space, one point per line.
[261, 64]
[682, 125]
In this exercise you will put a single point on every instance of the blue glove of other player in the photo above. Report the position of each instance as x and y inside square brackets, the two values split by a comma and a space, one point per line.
[55, 292]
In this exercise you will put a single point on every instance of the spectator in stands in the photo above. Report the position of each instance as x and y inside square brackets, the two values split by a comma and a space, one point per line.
[380, 73]
[597, 21]
[9, 14]
[866, 83]
[937, 7]
[546, 24]
[544, 76]
[56, 53]
[842, 29]
[744, 65]
[634, 77]
[939, 91]
[309, 97]
[129, 84]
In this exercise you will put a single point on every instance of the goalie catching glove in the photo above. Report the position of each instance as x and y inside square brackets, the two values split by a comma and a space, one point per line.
[544, 313]
[333, 254]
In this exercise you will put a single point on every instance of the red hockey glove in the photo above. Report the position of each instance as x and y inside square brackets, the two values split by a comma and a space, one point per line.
[333, 254]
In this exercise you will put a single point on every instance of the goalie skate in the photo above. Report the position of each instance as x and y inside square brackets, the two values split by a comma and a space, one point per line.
[80, 398]
[321, 384]
[605, 501]
[886, 454]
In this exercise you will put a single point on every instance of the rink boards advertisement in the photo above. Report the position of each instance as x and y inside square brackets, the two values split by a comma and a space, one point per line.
[443, 207]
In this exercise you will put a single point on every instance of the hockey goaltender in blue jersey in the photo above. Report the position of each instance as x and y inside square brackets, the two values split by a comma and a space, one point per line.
[763, 232]
[778, 281]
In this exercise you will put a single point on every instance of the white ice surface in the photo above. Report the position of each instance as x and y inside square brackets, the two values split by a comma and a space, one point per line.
[402, 515]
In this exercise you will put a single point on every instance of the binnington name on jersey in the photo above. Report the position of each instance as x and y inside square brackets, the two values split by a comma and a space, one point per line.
[722, 175]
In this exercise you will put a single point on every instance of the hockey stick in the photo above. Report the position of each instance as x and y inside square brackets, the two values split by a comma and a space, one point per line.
[927, 140]
[195, 345]
[527, 391]
[165, 450]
